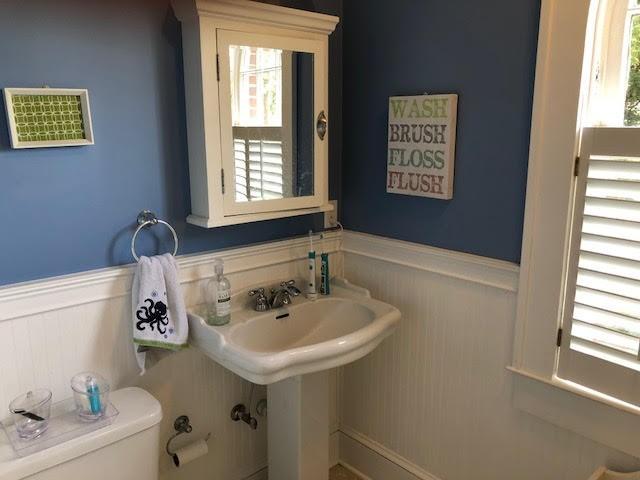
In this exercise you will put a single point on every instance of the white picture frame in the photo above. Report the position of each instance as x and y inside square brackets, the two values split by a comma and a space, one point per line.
[17, 136]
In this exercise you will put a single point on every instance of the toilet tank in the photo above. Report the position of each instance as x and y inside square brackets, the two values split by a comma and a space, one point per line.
[125, 450]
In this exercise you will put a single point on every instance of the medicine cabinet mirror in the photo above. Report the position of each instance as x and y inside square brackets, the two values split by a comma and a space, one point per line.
[256, 91]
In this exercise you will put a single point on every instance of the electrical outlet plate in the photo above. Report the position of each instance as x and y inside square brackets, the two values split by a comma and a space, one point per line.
[331, 218]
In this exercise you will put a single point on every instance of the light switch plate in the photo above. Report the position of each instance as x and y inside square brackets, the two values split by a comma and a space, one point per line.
[331, 218]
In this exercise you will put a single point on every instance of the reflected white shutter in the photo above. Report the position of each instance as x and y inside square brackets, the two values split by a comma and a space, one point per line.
[602, 308]
[258, 157]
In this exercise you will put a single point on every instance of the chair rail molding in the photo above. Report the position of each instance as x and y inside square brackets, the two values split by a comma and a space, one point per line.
[486, 271]
[18, 300]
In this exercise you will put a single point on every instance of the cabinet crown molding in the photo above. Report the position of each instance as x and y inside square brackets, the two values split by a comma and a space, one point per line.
[255, 12]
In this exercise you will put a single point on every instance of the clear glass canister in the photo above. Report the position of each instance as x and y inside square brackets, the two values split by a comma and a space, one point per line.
[31, 412]
[91, 395]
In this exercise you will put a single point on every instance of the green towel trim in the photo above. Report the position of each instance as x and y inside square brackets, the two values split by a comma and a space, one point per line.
[155, 343]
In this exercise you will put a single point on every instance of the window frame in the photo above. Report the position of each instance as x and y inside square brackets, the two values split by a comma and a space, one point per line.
[610, 61]
[563, 75]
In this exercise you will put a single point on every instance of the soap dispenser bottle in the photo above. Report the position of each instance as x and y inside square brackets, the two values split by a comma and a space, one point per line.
[219, 296]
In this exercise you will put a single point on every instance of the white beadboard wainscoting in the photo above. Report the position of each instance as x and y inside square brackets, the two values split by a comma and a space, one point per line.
[434, 401]
[54, 328]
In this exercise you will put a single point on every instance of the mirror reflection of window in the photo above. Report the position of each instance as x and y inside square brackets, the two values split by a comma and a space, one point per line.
[272, 121]
[256, 86]
[257, 118]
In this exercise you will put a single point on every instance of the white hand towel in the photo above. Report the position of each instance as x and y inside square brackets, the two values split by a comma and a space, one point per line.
[159, 314]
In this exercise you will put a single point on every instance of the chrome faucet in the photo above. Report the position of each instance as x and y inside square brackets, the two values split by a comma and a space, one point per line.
[282, 296]
[279, 296]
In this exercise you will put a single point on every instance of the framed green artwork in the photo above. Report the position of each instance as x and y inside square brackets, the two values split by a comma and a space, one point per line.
[48, 117]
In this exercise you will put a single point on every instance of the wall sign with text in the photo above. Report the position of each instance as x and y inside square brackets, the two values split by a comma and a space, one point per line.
[422, 142]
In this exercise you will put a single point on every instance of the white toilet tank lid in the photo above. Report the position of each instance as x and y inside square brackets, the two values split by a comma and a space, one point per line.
[139, 410]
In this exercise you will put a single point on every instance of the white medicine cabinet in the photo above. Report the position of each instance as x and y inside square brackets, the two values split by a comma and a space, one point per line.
[256, 89]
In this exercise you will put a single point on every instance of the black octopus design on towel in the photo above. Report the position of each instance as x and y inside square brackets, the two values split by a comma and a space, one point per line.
[154, 315]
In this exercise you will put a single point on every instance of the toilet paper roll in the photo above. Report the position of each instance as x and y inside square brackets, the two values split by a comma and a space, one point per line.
[190, 452]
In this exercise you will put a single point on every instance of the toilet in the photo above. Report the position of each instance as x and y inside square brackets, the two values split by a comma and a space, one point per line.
[125, 450]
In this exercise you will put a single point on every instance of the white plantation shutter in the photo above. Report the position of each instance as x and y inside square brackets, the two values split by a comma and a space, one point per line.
[258, 158]
[601, 319]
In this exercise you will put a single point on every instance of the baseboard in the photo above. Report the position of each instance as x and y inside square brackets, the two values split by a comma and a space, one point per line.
[373, 461]
[259, 475]
[354, 470]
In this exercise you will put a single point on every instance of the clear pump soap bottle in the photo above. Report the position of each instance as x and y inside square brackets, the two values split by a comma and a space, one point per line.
[219, 297]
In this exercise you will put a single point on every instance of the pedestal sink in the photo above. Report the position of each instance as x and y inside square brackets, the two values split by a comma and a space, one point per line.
[290, 350]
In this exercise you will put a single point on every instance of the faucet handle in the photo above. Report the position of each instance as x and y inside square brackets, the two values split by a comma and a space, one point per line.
[262, 304]
[290, 286]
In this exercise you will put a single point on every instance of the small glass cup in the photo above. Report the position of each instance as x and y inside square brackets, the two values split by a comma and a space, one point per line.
[91, 395]
[31, 412]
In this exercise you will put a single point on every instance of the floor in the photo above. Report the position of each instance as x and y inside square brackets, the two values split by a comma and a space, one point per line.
[340, 473]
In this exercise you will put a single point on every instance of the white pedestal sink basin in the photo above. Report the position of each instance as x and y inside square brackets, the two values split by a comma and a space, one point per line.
[289, 349]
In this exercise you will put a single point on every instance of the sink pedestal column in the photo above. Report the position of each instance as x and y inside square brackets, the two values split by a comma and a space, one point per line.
[298, 421]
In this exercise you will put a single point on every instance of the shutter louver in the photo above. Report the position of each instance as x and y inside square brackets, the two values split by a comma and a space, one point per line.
[605, 281]
[258, 156]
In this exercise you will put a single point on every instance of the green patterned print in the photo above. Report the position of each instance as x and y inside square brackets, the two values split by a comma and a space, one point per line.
[48, 117]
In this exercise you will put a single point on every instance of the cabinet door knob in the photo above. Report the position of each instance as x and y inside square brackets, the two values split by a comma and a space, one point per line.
[321, 125]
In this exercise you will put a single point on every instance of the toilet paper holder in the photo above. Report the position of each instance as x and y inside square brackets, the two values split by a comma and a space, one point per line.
[180, 425]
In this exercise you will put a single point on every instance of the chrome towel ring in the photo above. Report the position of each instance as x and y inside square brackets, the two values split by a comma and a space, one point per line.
[146, 219]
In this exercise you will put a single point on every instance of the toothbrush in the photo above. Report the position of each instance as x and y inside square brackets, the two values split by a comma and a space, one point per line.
[94, 395]
[29, 415]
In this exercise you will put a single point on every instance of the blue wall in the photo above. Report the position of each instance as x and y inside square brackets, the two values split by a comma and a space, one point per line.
[484, 52]
[72, 209]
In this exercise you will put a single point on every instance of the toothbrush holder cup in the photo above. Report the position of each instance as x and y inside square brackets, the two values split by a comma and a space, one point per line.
[91, 395]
